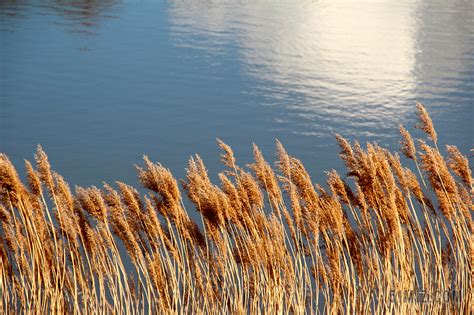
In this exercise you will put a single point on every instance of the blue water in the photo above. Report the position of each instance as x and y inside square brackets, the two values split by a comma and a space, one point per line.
[100, 83]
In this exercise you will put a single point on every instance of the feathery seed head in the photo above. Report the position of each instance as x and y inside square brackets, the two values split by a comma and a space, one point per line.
[34, 182]
[227, 157]
[44, 169]
[460, 165]
[407, 144]
[426, 125]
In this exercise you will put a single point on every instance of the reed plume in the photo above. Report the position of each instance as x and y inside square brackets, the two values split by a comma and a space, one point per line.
[425, 123]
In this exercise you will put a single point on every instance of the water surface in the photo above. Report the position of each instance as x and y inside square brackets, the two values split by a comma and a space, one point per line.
[100, 83]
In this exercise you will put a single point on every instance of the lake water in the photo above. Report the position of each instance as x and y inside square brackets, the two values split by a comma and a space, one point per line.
[100, 83]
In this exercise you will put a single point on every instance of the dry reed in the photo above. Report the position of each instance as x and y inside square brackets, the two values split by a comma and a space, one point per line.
[269, 240]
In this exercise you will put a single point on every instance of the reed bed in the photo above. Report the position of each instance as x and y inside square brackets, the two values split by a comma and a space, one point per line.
[385, 238]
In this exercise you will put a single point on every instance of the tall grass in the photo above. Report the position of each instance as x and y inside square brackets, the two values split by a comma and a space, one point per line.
[270, 241]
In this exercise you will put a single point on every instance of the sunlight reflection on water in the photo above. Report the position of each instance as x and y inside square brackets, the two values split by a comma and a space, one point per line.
[338, 64]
